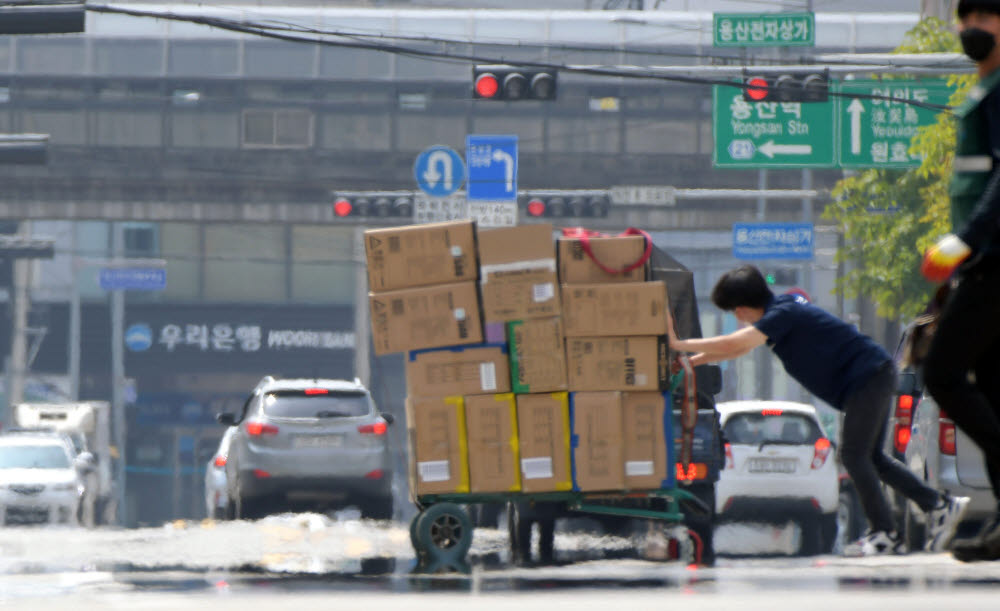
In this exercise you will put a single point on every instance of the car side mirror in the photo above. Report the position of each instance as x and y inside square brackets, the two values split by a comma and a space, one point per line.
[709, 379]
[389, 418]
[85, 462]
[225, 419]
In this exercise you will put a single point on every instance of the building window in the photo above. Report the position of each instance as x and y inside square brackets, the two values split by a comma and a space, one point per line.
[140, 240]
[277, 128]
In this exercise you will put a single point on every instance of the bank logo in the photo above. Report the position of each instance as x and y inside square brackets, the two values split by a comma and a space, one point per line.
[139, 337]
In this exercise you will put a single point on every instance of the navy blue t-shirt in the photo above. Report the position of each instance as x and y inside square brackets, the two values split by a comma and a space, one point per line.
[827, 356]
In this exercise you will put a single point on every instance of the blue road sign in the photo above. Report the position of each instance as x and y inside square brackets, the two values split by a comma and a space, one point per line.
[492, 166]
[133, 278]
[439, 171]
[773, 241]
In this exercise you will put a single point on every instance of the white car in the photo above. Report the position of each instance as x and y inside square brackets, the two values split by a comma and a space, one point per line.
[216, 499]
[40, 482]
[780, 467]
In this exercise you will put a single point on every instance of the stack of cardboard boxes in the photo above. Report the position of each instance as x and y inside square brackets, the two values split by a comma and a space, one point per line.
[526, 371]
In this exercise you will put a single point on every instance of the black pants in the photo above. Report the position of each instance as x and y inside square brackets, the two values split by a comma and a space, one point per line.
[866, 413]
[967, 340]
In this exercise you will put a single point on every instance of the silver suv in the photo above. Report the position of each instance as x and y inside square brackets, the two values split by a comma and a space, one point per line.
[308, 442]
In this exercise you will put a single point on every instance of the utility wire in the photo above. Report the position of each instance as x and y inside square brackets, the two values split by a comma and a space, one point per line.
[605, 71]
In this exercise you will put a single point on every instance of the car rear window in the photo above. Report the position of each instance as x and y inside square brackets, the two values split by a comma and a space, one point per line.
[23, 456]
[771, 425]
[316, 403]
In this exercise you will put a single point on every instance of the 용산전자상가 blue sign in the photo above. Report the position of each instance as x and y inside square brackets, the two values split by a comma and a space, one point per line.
[772, 241]
[133, 278]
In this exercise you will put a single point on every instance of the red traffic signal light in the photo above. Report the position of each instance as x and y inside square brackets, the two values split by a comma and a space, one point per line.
[565, 204]
[510, 83]
[343, 207]
[352, 205]
[787, 87]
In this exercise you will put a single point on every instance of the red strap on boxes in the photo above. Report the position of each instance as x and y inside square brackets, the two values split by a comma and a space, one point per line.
[584, 236]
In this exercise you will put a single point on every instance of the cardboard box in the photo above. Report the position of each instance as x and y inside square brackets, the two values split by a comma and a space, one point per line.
[491, 424]
[426, 317]
[537, 359]
[438, 452]
[596, 419]
[543, 437]
[576, 267]
[458, 370]
[636, 308]
[517, 273]
[421, 255]
[647, 423]
[618, 363]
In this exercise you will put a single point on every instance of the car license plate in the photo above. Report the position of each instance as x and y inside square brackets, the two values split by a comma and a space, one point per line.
[318, 441]
[772, 465]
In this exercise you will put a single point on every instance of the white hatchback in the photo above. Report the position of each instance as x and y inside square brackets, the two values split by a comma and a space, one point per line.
[779, 467]
[40, 483]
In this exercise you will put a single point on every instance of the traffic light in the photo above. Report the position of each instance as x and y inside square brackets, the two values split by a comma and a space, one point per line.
[373, 205]
[782, 276]
[565, 204]
[787, 87]
[510, 83]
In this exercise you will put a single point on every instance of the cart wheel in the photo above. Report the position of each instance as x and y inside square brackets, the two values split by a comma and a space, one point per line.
[443, 536]
[413, 535]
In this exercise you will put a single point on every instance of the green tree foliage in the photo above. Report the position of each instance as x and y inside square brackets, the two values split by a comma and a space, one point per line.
[889, 217]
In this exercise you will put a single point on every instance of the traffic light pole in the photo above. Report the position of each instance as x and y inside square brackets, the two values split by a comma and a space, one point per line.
[18, 363]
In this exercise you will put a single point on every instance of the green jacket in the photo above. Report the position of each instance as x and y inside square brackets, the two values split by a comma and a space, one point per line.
[974, 212]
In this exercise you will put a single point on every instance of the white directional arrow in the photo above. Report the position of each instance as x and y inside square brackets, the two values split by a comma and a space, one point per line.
[855, 109]
[770, 149]
[431, 174]
[505, 158]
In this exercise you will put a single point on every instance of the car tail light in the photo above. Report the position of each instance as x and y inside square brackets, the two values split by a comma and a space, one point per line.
[946, 435]
[220, 461]
[730, 463]
[904, 418]
[256, 429]
[317, 391]
[695, 471]
[376, 474]
[260, 473]
[821, 449]
[378, 428]
[771, 412]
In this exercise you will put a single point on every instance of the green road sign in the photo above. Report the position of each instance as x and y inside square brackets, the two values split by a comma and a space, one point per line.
[878, 133]
[764, 29]
[771, 134]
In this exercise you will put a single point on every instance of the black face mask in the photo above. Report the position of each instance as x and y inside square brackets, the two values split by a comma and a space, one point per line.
[977, 43]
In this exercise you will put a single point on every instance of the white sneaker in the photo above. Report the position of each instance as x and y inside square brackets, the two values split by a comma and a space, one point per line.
[878, 543]
[942, 523]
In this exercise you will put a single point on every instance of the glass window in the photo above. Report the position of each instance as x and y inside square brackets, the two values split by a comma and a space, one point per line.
[586, 134]
[773, 425]
[63, 127]
[417, 132]
[323, 270]
[528, 129]
[356, 132]
[50, 55]
[128, 57]
[4, 55]
[181, 247]
[205, 129]
[24, 456]
[123, 128]
[245, 263]
[140, 240]
[279, 59]
[339, 62]
[277, 128]
[316, 403]
[660, 137]
[203, 58]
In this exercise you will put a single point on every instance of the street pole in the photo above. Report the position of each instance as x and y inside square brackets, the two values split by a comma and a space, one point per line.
[74, 323]
[19, 344]
[362, 356]
[118, 372]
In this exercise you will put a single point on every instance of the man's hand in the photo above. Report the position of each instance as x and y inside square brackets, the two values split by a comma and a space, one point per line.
[671, 333]
[941, 259]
